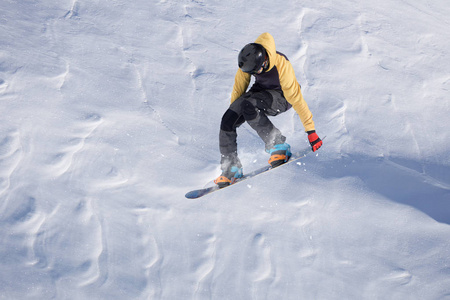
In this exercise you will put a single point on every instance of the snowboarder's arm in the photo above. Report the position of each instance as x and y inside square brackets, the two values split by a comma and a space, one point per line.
[293, 94]
[241, 82]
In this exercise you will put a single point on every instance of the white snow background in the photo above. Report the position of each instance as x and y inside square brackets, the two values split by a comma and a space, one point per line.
[110, 113]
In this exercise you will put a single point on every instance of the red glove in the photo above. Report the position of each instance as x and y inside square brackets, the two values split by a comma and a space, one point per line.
[314, 140]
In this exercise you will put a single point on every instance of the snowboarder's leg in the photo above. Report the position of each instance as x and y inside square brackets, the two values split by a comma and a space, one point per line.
[230, 163]
[255, 109]
[228, 136]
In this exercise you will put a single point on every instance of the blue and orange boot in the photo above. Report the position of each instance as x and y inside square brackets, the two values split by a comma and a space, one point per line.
[229, 176]
[279, 154]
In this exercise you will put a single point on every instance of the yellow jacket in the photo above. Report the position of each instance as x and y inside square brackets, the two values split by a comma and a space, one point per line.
[286, 81]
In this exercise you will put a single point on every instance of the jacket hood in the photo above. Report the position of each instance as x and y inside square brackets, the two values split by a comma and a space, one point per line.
[266, 40]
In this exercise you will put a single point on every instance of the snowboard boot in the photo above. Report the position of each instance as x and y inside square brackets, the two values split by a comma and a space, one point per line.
[229, 176]
[279, 154]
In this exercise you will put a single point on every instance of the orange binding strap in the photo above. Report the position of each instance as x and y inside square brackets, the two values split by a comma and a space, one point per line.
[276, 157]
[222, 179]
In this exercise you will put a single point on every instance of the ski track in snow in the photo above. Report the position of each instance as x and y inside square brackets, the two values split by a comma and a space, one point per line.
[110, 113]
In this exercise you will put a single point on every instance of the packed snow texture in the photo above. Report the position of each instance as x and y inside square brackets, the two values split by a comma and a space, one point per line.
[110, 113]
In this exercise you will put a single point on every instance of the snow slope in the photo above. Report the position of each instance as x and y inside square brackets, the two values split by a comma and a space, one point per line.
[110, 113]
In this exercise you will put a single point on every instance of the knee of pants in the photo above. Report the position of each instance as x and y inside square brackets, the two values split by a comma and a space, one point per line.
[249, 111]
[230, 121]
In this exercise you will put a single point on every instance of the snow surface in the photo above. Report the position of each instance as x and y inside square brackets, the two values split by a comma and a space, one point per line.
[110, 113]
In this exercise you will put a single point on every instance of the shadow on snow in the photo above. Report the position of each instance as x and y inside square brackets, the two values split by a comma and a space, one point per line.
[425, 186]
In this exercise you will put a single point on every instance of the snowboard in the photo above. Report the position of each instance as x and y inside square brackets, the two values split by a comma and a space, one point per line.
[205, 191]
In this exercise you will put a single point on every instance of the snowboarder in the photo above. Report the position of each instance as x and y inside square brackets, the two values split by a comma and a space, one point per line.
[275, 91]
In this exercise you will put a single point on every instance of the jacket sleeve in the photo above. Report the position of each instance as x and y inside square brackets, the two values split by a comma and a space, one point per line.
[241, 82]
[293, 94]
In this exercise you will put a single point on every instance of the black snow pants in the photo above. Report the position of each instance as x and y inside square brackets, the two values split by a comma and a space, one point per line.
[253, 107]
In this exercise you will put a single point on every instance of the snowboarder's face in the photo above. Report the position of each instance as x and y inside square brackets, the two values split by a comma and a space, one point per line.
[263, 67]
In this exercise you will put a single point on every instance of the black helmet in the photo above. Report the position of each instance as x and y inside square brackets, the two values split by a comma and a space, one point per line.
[251, 58]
